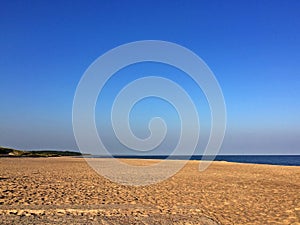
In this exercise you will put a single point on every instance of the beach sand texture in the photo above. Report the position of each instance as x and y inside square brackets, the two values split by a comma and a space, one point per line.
[66, 190]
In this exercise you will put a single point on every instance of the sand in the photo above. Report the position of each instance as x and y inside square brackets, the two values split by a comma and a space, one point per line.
[66, 190]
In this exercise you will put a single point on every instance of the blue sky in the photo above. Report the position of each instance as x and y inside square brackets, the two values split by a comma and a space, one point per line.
[253, 48]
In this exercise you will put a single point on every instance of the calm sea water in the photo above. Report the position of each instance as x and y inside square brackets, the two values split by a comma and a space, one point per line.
[285, 160]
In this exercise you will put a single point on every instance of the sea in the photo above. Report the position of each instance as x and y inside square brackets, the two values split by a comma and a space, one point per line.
[283, 160]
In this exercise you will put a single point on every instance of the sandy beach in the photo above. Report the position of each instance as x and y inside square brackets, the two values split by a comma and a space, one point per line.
[66, 190]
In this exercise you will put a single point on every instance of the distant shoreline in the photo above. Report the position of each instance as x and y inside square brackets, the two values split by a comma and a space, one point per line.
[281, 160]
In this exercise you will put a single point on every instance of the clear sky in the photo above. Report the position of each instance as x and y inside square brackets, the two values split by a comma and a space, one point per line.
[253, 48]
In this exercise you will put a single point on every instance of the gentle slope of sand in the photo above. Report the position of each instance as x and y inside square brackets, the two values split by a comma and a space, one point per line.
[67, 190]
